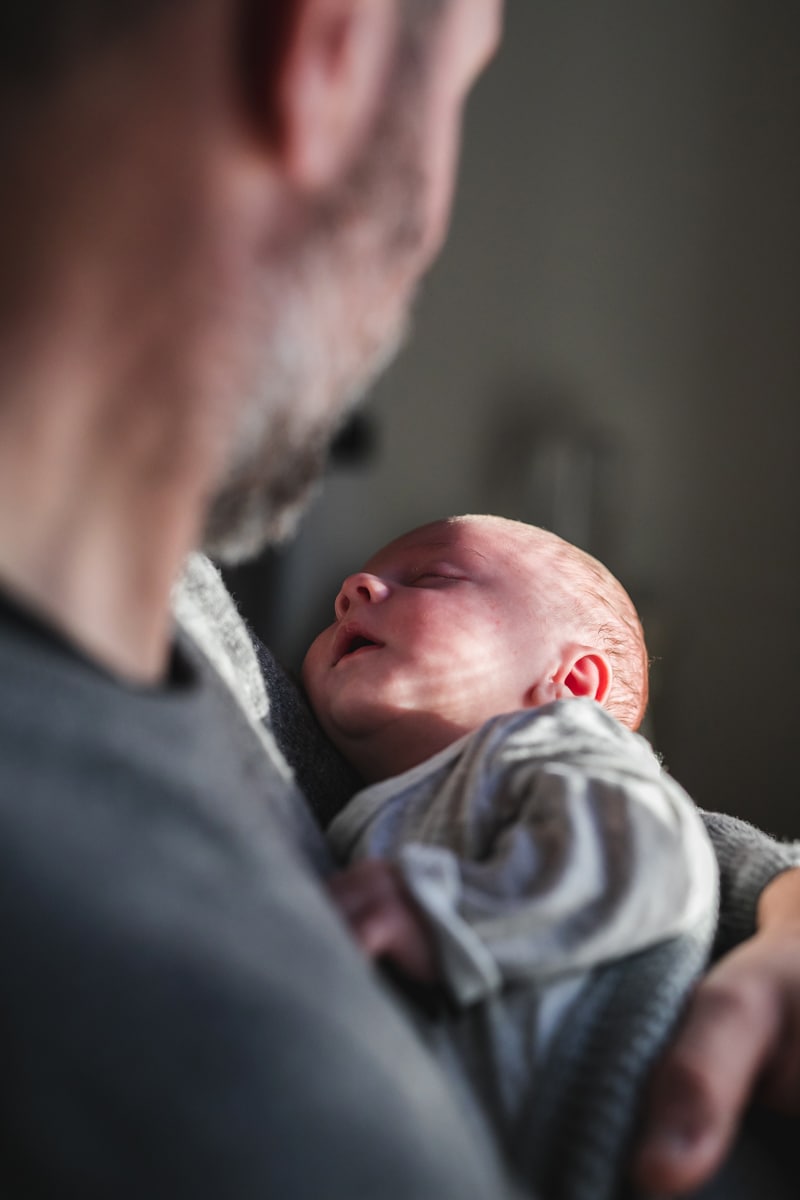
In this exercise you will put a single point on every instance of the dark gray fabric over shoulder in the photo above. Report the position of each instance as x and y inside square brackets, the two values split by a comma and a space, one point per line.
[266, 692]
[596, 1069]
[181, 1014]
[748, 860]
[326, 780]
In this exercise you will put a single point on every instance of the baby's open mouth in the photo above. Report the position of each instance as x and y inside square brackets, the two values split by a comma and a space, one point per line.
[356, 644]
[350, 641]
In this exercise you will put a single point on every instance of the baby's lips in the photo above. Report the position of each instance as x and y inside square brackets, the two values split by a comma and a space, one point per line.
[350, 637]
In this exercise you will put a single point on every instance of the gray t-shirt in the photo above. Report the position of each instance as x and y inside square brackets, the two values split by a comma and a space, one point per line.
[182, 1012]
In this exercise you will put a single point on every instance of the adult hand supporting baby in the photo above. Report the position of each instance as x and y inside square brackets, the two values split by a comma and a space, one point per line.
[740, 1040]
[384, 918]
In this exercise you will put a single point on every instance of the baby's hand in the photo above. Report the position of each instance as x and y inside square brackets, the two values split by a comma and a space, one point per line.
[384, 918]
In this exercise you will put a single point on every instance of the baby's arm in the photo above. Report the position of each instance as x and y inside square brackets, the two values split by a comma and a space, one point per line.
[557, 845]
[385, 919]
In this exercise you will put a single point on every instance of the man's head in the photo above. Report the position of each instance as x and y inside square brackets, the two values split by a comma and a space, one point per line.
[345, 276]
[463, 619]
[286, 164]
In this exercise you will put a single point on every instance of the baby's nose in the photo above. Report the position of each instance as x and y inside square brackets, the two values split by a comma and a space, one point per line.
[362, 588]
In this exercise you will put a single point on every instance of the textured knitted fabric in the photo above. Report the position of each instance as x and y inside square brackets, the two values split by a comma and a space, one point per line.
[325, 778]
[205, 610]
[748, 860]
[575, 1146]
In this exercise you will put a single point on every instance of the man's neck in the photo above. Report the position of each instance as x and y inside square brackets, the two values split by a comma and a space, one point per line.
[95, 521]
[120, 356]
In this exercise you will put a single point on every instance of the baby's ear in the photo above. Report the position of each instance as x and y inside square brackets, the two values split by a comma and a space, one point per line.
[589, 673]
[582, 672]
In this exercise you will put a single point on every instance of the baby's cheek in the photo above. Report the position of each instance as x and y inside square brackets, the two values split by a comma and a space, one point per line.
[310, 672]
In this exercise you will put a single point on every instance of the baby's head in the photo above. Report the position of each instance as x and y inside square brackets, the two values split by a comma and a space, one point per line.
[461, 620]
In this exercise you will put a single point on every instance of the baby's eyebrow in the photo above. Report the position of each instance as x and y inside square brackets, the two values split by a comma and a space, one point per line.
[419, 555]
[449, 548]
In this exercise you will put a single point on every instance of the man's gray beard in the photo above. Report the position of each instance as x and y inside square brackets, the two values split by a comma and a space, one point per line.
[285, 435]
[333, 312]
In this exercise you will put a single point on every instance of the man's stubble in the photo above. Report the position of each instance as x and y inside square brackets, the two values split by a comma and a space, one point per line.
[335, 304]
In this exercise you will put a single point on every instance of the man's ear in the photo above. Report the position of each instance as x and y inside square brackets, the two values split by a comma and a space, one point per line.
[314, 93]
[582, 672]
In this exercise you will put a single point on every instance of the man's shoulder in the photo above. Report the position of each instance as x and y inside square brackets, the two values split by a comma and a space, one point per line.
[171, 964]
[78, 741]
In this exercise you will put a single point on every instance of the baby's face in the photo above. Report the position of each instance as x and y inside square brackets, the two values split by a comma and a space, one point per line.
[448, 621]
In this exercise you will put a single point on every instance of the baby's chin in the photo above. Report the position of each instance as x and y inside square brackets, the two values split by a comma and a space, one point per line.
[351, 723]
[346, 726]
